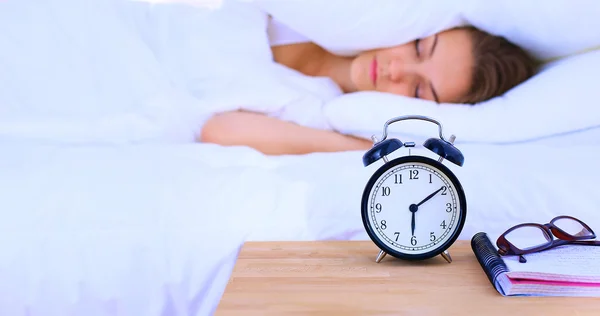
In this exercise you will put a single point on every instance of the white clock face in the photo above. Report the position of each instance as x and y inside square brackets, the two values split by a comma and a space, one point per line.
[413, 208]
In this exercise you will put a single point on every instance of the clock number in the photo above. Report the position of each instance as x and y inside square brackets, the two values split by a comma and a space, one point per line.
[431, 236]
[414, 174]
[443, 224]
[385, 191]
[397, 235]
[383, 224]
[378, 208]
[444, 189]
[448, 207]
[430, 176]
[413, 240]
[398, 178]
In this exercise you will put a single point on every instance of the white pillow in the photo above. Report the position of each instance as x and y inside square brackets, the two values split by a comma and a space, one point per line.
[546, 28]
[350, 26]
[562, 98]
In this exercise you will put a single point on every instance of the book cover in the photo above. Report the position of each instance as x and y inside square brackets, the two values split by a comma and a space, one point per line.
[569, 270]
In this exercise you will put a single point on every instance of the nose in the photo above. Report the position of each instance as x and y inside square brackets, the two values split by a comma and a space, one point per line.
[400, 70]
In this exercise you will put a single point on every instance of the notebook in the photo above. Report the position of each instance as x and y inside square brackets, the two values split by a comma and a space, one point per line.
[570, 270]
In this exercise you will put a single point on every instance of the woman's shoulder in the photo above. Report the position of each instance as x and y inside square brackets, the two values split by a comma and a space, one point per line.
[281, 34]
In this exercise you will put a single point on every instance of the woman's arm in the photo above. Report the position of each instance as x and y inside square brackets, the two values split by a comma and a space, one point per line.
[272, 136]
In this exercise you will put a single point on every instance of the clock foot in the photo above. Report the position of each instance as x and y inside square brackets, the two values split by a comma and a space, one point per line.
[446, 256]
[380, 256]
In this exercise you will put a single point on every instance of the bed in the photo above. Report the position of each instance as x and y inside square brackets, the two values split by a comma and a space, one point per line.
[110, 208]
[155, 229]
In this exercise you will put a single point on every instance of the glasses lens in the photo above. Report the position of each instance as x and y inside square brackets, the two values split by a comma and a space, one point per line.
[528, 237]
[572, 227]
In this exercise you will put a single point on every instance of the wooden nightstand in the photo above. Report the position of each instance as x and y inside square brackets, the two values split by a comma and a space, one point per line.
[342, 278]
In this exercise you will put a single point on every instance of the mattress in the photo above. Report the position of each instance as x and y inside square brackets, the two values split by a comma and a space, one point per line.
[155, 229]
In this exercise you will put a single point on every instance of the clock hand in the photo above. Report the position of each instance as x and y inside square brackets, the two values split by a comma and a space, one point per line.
[413, 208]
[430, 196]
[412, 225]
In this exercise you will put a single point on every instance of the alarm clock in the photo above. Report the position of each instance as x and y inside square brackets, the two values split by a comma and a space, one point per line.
[413, 207]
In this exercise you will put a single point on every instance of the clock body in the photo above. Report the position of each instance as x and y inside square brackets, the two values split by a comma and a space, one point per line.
[413, 208]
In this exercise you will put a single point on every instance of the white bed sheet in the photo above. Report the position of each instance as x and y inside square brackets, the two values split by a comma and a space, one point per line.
[155, 230]
[504, 185]
[126, 230]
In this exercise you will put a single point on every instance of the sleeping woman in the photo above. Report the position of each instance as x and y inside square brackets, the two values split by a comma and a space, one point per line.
[462, 65]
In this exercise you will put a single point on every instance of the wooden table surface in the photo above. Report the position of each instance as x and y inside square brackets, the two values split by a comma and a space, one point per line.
[342, 278]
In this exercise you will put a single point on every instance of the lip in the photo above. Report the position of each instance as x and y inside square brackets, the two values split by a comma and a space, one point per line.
[374, 71]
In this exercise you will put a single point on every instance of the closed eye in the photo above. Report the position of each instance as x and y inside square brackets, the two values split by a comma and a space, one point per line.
[417, 88]
[417, 46]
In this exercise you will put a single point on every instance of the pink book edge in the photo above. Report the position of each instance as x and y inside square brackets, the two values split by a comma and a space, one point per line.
[517, 281]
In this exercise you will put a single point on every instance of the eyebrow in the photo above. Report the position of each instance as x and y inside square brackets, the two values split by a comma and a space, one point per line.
[435, 95]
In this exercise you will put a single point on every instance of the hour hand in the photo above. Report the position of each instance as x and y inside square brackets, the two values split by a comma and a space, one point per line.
[430, 196]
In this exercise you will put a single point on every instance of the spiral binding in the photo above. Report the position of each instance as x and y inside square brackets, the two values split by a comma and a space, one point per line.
[488, 257]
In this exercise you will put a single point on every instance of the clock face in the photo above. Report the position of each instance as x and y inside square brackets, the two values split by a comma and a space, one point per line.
[414, 207]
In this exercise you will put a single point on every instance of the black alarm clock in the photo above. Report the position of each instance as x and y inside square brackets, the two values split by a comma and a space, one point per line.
[413, 207]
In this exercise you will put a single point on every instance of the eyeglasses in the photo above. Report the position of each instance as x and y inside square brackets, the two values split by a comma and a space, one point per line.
[531, 237]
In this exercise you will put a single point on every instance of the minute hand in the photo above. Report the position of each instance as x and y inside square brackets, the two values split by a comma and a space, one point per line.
[430, 196]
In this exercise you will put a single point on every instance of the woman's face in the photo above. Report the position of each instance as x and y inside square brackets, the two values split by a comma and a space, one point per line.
[437, 68]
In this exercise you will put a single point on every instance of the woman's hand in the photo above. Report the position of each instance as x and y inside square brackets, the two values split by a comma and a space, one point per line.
[272, 136]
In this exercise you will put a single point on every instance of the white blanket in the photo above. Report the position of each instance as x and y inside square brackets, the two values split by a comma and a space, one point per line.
[128, 230]
[120, 71]
[81, 72]
[136, 72]
[155, 229]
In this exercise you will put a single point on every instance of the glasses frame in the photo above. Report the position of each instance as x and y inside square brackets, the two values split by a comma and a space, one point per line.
[505, 247]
